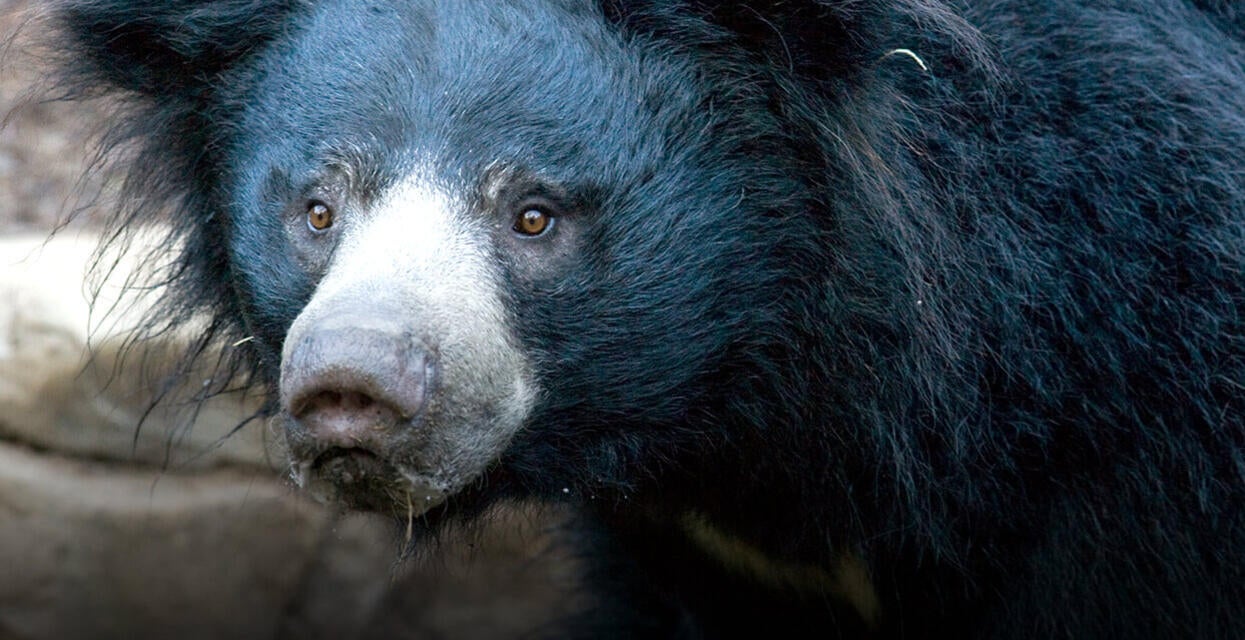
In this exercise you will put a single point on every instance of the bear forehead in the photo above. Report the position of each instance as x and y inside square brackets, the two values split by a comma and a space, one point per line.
[543, 81]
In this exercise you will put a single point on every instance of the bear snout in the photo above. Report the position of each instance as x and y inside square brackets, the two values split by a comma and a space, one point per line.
[351, 383]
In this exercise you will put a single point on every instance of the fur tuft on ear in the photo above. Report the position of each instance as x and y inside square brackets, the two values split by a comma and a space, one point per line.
[168, 46]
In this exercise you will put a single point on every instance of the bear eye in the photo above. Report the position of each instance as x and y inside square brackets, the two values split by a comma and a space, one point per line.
[319, 216]
[532, 222]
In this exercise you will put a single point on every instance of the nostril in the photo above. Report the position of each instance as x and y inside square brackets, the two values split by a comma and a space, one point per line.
[331, 400]
[354, 401]
[342, 418]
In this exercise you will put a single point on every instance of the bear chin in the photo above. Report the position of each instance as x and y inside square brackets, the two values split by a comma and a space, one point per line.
[359, 479]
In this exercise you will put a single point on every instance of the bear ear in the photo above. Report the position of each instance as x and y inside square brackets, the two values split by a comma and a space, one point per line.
[158, 47]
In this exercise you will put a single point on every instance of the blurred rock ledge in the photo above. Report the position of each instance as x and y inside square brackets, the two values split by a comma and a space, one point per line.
[53, 395]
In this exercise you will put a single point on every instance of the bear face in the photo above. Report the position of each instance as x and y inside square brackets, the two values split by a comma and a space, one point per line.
[373, 181]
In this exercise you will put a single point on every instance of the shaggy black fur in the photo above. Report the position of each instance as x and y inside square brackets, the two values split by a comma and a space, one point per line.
[952, 291]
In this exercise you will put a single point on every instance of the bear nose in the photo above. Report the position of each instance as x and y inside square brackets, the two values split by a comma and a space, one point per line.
[347, 383]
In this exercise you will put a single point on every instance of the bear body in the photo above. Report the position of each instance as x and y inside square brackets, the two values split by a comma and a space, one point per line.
[890, 318]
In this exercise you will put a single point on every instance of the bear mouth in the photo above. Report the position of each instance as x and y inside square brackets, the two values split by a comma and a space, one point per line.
[360, 479]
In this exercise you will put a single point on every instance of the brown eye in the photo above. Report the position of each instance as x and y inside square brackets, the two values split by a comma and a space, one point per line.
[319, 216]
[533, 222]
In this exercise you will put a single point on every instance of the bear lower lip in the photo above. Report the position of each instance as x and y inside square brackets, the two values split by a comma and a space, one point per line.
[360, 479]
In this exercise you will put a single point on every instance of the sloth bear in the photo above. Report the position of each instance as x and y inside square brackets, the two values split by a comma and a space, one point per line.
[880, 318]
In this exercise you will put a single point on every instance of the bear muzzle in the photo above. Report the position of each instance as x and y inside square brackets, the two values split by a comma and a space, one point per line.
[353, 394]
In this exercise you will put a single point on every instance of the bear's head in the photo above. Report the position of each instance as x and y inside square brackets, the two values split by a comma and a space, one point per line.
[482, 248]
